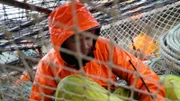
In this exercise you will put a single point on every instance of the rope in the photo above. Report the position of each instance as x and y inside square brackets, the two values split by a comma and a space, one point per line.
[169, 61]
[170, 49]
[158, 65]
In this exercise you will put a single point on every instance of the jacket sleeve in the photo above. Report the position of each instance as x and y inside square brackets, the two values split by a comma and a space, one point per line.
[44, 84]
[125, 71]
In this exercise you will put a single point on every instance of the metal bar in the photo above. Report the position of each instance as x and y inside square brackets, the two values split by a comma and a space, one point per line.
[145, 9]
[149, 8]
[110, 3]
[25, 6]
[135, 6]
[91, 10]
[19, 48]
[47, 11]
[26, 24]
[23, 25]
[22, 36]
[26, 42]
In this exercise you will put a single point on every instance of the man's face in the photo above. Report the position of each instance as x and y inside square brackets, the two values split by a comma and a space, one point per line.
[86, 43]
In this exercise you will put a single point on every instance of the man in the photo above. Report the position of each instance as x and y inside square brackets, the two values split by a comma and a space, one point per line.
[59, 64]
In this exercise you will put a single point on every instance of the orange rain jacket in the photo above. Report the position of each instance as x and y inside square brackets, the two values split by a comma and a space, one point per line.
[52, 65]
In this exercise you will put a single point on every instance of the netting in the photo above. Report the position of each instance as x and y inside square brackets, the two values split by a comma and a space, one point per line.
[24, 38]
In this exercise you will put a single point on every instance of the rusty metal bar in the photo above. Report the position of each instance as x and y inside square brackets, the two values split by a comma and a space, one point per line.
[25, 6]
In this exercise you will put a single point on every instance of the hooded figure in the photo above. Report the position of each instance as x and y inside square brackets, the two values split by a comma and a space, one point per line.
[57, 64]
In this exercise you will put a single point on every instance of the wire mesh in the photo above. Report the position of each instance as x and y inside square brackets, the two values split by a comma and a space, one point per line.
[24, 39]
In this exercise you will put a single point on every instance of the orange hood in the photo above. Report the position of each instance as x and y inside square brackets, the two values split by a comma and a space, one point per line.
[62, 21]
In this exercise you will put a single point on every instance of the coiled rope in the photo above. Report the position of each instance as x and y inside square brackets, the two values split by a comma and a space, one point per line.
[170, 49]
[169, 60]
